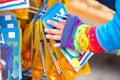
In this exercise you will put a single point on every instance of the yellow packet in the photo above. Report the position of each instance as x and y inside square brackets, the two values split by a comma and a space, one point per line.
[21, 13]
[37, 65]
[64, 71]
[23, 23]
[52, 2]
[67, 70]
[26, 59]
[35, 36]
[27, 35]
[51, 42]
[85, 70]
[25, 54]
[51, 71]
[66, 3]
[36, 3]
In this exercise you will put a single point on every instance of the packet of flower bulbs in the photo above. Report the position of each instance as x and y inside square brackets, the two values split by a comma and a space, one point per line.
[10, 53]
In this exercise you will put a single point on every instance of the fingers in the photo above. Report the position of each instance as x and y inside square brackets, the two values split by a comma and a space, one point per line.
[54, 37]
[55, 34]
[53, 31]
[57, 45]
[62, 22]
[56, 24]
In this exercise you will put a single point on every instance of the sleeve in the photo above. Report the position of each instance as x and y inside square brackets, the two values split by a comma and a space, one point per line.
[108, 34]
[71, 23]
[79, 36]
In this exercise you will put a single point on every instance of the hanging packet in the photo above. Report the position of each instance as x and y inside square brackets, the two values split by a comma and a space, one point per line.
[27, 35]
[28, 39]
[37, 65]
[56, 14]
[13, 4]
[68, 72]
[36, 3]
[51, 70]
[9, 23]
[11, 53]
[6, 16]
[10, 36]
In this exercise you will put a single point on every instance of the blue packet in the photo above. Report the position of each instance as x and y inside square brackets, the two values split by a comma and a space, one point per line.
[10, 53]
[6, 16]
[49, 11]
[8, 23]
[56, 14]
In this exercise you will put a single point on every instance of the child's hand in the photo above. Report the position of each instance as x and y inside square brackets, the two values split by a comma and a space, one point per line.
[55, 33]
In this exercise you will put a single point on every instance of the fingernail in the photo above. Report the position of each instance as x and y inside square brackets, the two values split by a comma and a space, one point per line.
[48, 21]
[47, 36]
[45, 29]
[55, 45]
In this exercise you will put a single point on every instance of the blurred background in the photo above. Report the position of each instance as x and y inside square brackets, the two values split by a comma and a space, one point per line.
[103, 66]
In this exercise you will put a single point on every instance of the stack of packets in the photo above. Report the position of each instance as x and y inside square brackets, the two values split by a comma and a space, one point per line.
[13, 4]
[55, 63]
[10, 47]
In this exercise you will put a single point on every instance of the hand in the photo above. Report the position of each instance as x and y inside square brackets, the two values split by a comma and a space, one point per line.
[56, 33]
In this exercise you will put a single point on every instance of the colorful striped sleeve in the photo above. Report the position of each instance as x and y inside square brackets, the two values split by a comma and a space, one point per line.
[103, 38]
[79, 36]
